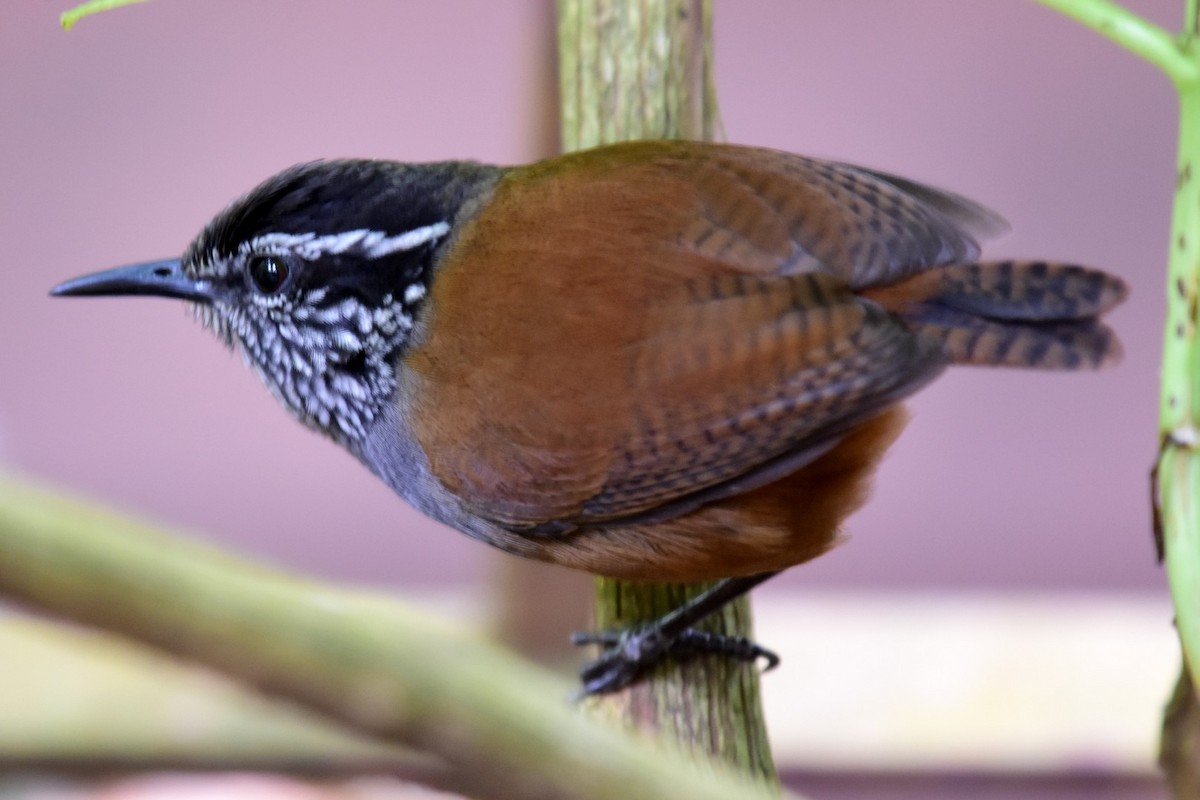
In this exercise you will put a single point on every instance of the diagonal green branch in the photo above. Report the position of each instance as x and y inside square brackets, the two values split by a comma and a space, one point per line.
[79, 700]
[501, 725]
[1135, 34]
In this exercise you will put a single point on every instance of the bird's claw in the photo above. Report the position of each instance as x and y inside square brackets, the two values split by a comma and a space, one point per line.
[629, 653]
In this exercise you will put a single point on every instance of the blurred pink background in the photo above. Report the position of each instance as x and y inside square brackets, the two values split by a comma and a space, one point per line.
[122, 137]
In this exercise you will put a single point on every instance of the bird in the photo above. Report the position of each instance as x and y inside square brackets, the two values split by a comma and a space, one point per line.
[665, 361]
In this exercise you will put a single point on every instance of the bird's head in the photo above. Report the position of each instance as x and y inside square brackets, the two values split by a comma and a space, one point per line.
[317, 277]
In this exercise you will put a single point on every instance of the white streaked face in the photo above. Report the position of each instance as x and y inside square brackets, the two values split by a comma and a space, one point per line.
[317, 275]
[322, 338]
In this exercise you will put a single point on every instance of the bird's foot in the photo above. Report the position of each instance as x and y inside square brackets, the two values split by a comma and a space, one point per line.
[629, 653]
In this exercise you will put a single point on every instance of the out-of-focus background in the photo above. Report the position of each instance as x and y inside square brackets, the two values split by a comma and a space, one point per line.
[119, 139]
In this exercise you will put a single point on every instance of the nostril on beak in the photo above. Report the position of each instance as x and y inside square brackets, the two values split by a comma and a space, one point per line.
[162, 272]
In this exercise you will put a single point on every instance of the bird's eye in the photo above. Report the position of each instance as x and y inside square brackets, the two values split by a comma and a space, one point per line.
[269, 273]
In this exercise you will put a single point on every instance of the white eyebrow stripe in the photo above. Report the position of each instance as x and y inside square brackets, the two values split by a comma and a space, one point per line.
[339, 242]
[409, 240]
[371, 243]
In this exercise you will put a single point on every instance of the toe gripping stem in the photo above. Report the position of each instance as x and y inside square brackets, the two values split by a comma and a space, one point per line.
[627, 654]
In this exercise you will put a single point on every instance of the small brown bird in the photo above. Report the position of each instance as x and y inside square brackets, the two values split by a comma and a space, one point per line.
[664, 361]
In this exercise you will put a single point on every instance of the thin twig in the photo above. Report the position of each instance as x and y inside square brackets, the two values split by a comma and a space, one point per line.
[1134, 33]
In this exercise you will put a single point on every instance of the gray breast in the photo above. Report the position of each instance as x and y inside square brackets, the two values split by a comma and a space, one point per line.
[392, 453]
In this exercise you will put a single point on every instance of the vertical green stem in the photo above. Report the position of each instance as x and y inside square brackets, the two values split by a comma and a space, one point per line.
[1178, 469]
[1176, 484]
[643, 70]
[1177, 472]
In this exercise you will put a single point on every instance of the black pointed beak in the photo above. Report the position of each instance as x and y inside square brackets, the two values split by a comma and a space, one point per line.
[159, 278]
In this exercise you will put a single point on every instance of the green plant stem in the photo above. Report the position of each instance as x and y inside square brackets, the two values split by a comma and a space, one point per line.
[1138, 35]
[1178, 468]
[1177, 472]
[78, 699]
[1179, 746]
[1177, 484]
[501, 725]
[644, 71]
[73, 15]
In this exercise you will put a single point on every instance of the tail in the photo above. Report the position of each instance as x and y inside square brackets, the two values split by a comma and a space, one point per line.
[1011, 313]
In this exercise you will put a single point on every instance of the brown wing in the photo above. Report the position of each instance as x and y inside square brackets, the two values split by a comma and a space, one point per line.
[633, 331]
[866, 227]
[752, 379]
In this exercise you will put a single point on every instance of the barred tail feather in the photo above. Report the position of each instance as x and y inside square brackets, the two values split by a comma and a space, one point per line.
[1012, 313]
[968, 339]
